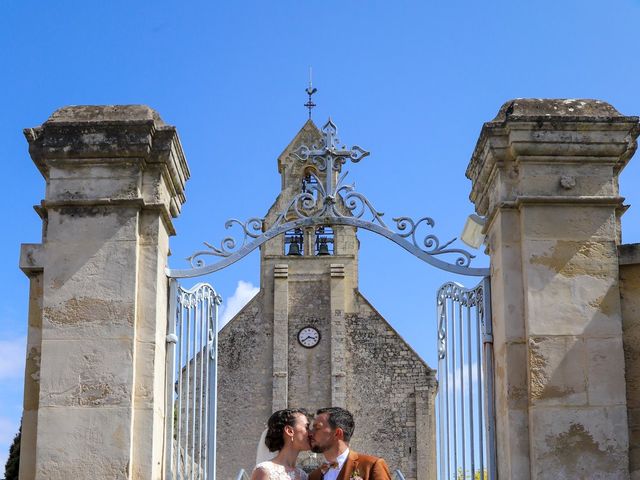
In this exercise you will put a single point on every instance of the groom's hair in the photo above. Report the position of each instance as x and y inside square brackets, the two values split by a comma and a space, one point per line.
[340, 418]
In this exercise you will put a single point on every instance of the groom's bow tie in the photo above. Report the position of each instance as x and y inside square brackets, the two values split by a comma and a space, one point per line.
[326, 466]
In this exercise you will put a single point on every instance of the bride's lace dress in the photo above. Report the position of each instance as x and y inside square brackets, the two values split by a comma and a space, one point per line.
[279, 472]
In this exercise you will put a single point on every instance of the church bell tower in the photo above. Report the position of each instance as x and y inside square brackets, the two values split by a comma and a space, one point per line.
[310, 339]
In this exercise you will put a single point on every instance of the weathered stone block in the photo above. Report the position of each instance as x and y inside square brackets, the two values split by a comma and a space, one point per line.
[83, 442]
[573, 180]
[91, 188]
[557, 371]
[579, 443]
[575, 281]
[605, 371]
[80, 316]
[90, 170]
[89, 373]
[90, 290]
[515, 377]
[579, 223]
[149, 356]
[506, 295]
[148, 423]
[98, 224]
[513, 461]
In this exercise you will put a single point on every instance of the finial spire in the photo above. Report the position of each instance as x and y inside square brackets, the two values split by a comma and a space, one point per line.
[310, 91]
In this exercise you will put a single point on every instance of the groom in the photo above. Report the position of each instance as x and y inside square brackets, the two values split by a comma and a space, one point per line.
[330, 435]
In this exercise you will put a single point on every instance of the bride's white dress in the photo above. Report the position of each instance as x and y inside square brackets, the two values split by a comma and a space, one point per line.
[279, 472]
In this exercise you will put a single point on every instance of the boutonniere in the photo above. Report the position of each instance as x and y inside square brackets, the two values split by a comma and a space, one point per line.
[355, 475]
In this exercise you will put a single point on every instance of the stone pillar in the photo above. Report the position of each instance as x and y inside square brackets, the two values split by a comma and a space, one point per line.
[630, 298]
[545, 176]
[280, 336]
[115, 178]
[31, 261]
[338, 337]
[427, 464]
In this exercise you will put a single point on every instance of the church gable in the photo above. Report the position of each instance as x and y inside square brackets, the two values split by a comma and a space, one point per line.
[383, 370]
[291, 170]
[377, 323]
[308, 135]
[245, 352]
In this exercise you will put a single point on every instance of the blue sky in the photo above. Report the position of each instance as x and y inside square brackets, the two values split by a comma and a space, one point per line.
[411, 81]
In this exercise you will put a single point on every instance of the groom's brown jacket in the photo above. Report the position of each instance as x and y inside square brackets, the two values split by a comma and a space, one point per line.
[366, 467]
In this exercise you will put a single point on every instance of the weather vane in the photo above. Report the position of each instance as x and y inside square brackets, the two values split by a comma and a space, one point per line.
[310, 91]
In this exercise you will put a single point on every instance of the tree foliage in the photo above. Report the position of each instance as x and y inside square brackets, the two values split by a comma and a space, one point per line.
[13, 462]
[477, 475]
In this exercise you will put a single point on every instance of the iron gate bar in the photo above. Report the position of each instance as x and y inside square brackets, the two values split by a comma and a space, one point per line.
[172, 340]
[465, 403]
[488, 366]
[191, 382]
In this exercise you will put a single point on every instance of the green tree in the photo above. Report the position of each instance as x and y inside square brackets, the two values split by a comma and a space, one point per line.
[478, 475]
[13, 462]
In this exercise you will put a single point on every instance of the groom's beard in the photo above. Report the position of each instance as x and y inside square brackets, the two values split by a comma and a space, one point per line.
[319, 448]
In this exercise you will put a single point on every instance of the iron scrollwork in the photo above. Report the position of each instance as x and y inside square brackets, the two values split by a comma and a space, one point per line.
[252, 228]
[466, 297]
[330, 202]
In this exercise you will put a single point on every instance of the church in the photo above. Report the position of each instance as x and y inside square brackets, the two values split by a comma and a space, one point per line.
[310, 339]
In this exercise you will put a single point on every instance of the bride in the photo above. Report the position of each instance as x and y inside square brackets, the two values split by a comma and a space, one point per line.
[288, 434]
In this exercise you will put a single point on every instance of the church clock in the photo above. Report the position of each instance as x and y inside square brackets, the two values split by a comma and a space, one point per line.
[308, 337]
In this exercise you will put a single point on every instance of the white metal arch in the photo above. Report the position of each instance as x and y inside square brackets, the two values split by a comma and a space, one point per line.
[427, 253]
[328, 203]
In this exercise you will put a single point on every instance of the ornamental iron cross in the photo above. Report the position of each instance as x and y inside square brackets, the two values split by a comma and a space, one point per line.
[330, 156]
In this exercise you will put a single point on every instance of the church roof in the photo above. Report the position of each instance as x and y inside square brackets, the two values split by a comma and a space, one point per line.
[307, 135]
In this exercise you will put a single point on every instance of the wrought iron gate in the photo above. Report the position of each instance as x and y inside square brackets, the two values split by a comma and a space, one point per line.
[466, 435]
[191, 386]
[465, 407]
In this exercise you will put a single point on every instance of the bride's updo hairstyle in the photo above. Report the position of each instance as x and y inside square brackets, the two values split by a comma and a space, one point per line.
[275, 426]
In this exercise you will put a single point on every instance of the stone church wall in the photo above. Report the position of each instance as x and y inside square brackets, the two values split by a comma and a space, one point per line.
[630, 296]
[383, 375]
[245, 353]
[309, 369]
[384, 371]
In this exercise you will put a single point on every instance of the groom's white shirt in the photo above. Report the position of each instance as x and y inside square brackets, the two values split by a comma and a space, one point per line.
[332, 473]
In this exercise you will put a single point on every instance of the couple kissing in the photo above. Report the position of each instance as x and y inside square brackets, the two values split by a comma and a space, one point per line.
[291, 431]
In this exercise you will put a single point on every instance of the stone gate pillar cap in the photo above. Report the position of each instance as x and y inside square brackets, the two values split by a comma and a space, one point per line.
[549, 130]
[114, 137]
[105, 114]
[103, 131]
[567, 108]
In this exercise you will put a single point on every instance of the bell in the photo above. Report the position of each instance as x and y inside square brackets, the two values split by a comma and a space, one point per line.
[294, 249]
[323, 249]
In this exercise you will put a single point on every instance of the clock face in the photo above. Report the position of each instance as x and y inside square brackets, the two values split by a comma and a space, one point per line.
[308, 337]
